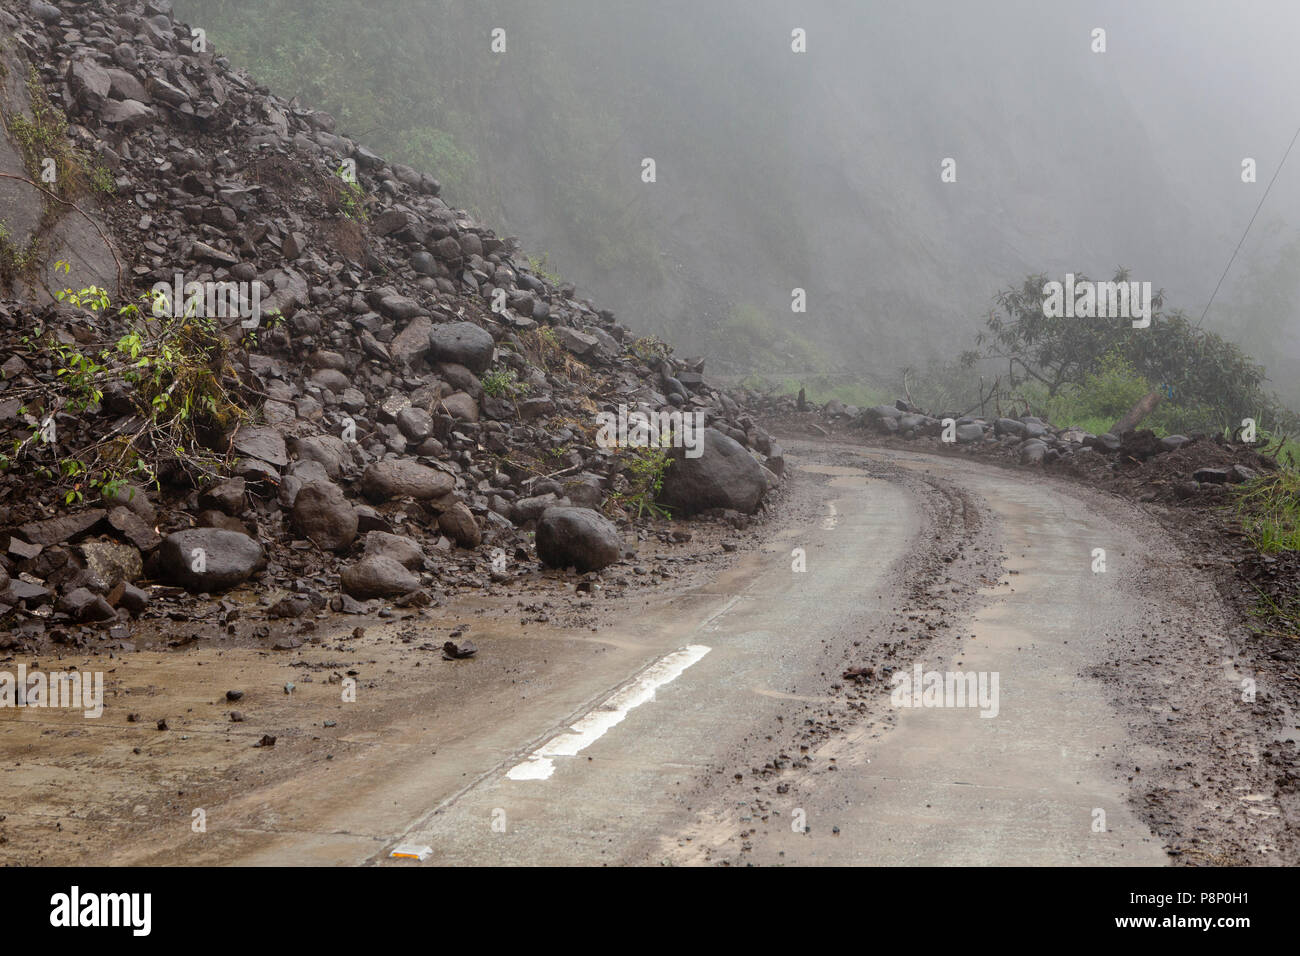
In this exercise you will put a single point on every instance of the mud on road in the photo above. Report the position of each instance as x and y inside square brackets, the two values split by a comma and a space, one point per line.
[1156, 695]
[1124, 695]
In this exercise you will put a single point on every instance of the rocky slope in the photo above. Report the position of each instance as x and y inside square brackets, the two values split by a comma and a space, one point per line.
[411, 403]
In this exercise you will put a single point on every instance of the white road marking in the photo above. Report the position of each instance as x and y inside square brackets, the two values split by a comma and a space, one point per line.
[831, 519]
[593, 725]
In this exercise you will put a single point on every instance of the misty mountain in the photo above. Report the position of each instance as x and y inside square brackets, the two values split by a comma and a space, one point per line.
[821, 170]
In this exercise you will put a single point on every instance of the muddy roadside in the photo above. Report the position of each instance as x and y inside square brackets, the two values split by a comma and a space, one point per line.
[219, 699]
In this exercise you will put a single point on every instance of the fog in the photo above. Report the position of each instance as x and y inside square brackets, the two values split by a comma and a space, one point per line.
[820, 170]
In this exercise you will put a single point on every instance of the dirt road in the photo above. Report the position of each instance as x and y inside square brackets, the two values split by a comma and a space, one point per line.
[709, 721]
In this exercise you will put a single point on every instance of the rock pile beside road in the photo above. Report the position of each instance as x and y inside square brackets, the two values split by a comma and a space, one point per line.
[414, 400]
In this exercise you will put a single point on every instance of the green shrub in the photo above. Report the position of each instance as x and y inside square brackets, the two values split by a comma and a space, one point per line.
[175, 370]
[644, 468]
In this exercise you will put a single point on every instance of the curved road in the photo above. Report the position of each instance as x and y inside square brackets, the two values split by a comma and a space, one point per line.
[715, 727]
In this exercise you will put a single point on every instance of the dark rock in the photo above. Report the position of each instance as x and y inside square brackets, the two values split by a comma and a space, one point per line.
[1032, 451]
[377, 576]
[401, 549]
[415, 423]
[412, 342]
[463, 343]
[134, 498]
[457, 523]
[723, 476]
[82, 604]
[323, 514]
[63, 528]
[290, 606]
[261, 442]
[531, 508]
[209, 559]
[461, 407]
[134, 599]
[226, 496]
[402, 478]
[453, 651]
[577, 537]
[1173, 442]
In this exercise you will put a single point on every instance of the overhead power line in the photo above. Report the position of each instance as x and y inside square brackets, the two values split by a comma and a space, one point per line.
[1247, 232]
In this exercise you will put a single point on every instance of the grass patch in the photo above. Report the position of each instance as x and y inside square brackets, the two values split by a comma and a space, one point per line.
[1279, 618]
[539, 266]
[502, 382]
[1269, 511]
[643, 470]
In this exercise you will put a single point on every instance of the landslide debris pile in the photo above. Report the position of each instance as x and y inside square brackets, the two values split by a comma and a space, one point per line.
[414, 400]
[1173, 468]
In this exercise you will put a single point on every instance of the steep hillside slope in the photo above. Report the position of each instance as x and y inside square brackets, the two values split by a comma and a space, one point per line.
[818, 170]
[363, 380]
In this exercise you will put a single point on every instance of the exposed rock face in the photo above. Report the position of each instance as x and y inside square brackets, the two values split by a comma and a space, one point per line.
[725, 475]
[578, 538]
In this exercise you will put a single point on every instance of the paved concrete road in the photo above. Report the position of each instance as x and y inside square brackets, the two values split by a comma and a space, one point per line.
[946, 786]
[624, 746]
[1034, 784]
[629, 784]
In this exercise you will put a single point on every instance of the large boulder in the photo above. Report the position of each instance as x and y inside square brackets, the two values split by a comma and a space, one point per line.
[577, 537]
[331, 452]
[463, 343]
[377, 576]
[457, 522]
[403, 550]
[412, 342]
[725, 475]
[209, 559]
[324, 515]
[402, 478]
[109, 563]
